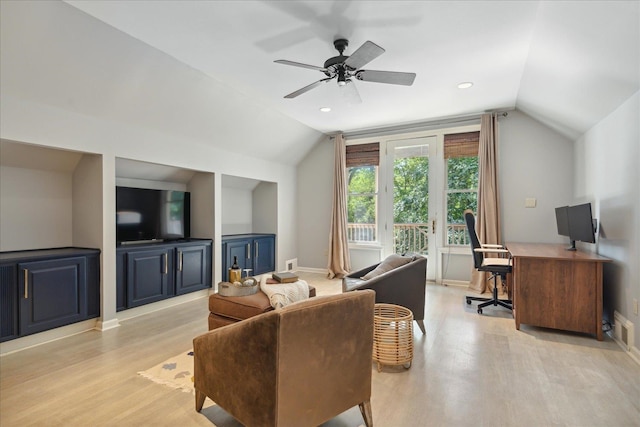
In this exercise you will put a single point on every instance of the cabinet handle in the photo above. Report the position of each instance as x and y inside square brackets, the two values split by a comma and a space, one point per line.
[180, 260]
[249, 250]
[257, 244]
[166, 263]
[26, 283]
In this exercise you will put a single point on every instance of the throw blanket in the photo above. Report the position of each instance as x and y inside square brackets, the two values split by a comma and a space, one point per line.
[281, 294]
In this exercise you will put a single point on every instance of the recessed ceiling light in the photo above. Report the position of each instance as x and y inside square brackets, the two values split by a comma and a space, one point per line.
[325, 109]
[465, 85]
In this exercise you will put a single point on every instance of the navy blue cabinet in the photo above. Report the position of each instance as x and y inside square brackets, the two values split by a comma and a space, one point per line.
[149, 275]
[151, 272]
[48, 288]
[254, 251]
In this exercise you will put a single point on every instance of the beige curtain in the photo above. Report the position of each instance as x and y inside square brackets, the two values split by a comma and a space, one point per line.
[488, 218]
[339, 263]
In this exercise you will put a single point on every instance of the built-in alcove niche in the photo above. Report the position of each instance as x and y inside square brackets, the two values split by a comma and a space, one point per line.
[49, 197]
[248, 206]
[134, 173]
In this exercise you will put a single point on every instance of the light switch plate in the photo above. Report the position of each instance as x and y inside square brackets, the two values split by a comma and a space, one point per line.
[530, 202]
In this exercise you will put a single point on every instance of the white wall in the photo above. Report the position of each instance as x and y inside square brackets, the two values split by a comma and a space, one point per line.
[36, 209]
[237, 211]
[87, 203]
[265, 208]
[607, 162]
[535, 162]
[315, 195]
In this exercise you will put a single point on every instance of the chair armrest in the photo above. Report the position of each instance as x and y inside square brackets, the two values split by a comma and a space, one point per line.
[223, 355]
[494, 250]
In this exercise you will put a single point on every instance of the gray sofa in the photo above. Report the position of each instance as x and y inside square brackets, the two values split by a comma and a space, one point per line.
[403, 285]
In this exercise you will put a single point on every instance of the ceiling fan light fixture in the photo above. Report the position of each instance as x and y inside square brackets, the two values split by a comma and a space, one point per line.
[465, 85]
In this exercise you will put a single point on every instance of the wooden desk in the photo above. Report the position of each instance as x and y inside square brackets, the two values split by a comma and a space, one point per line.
[556, 288]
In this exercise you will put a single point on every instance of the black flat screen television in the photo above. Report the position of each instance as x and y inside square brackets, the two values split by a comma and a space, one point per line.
[576, 222]
[144, 214]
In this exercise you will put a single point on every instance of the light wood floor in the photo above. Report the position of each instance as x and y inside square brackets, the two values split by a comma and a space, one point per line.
[469, 370]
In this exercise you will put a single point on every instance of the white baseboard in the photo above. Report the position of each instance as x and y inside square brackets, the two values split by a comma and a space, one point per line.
[313, 270]
[102, 325]
[458, 283]
[29, 341]
[161, 305]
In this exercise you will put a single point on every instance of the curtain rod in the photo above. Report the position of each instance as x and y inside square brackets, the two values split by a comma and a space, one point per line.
[415, 127]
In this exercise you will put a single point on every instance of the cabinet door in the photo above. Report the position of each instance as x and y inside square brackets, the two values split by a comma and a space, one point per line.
[192, 268]
[149, 276]
[240, 249]
[264, 258]
[52, 293]
[8, 302]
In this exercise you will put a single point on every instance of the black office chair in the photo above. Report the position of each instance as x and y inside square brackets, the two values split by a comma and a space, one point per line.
[495, 266]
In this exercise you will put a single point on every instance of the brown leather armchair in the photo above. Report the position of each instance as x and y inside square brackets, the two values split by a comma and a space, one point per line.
[404, 285]
[298, 366]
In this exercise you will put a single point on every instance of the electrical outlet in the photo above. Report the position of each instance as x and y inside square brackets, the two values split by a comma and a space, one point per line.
[635, 306]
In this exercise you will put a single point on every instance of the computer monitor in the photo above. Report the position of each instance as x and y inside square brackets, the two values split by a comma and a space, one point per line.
[562, 220]
[576, 223]
[581, 223]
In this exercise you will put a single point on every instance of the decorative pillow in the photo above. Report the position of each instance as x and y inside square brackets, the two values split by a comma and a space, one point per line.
[389, 263]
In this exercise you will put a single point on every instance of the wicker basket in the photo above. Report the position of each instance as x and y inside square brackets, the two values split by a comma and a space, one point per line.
[392, 335]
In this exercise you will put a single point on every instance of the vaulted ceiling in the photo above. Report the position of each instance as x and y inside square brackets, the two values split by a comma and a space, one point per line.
[567, 64]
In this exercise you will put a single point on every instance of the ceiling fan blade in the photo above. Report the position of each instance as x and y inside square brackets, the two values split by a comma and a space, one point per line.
[307, 88]
[363, 55]
[350, 92]
[299, 64]
[390, 77]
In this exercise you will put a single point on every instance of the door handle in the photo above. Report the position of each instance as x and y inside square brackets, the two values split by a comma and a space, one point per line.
[26, 283]
[166, 263]
[249, 250]
[180, 260]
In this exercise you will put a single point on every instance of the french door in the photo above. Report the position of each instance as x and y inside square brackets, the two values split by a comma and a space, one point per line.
[409, 215]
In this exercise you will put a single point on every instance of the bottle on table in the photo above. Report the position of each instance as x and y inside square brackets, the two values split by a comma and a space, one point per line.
[235, 274]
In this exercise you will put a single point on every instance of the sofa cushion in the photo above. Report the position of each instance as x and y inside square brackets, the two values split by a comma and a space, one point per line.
[388, 264]
[351, 283]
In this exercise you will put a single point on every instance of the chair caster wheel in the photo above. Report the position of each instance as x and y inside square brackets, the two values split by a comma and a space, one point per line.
[468, 301]
[479, 311]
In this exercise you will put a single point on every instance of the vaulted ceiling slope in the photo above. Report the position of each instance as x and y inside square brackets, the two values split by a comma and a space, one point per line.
[205, 69]
[565, 63]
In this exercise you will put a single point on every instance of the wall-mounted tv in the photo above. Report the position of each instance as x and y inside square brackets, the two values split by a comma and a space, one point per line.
[146, 215]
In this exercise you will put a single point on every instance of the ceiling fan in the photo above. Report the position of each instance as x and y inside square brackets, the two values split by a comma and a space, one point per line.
[344, 68]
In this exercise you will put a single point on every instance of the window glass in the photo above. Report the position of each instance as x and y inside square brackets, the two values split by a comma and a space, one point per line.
[362, 200]
[461, 194]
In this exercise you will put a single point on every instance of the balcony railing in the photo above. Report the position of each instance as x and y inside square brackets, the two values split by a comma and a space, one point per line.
[408, 237]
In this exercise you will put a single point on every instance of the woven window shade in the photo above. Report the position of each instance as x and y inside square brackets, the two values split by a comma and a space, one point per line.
[363, 155]
[461, 144]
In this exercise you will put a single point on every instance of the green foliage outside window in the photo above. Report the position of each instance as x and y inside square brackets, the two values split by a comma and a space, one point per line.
[361, 203]
[462, 185]
[411, 190]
